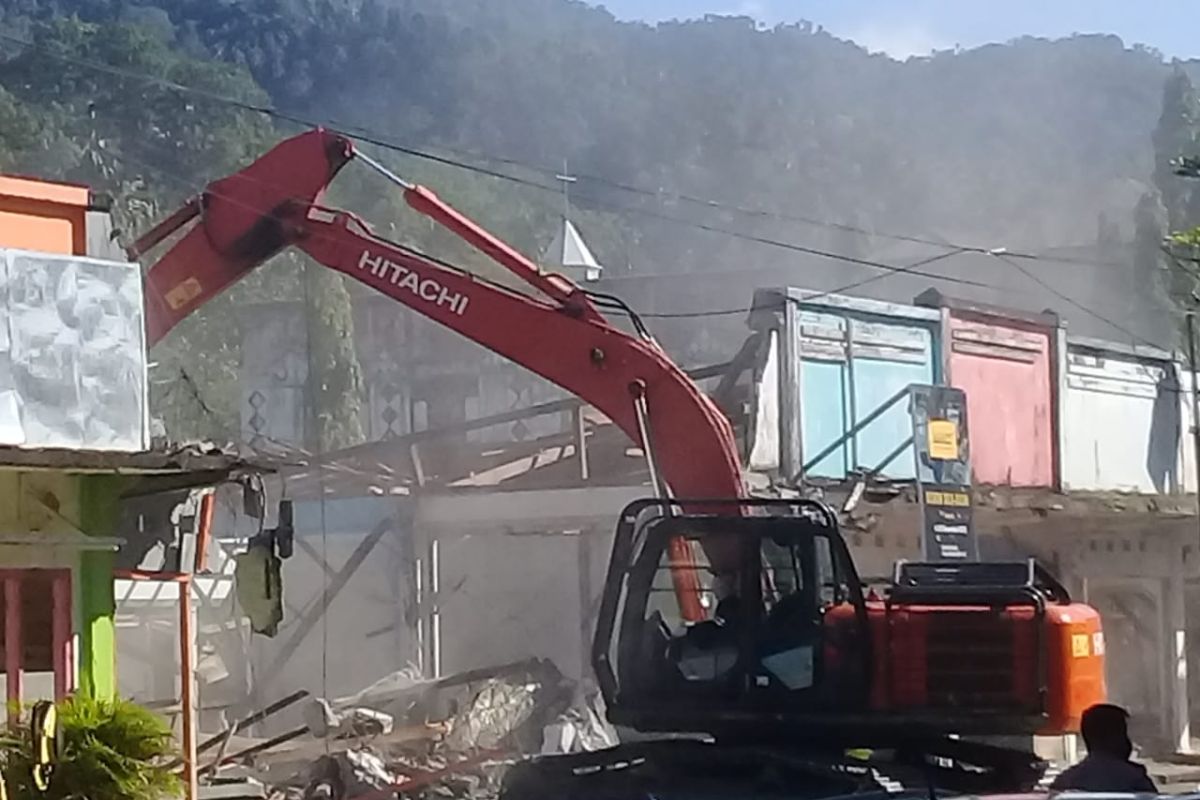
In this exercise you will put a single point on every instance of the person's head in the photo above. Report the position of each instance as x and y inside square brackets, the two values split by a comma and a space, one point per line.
[1105, 730]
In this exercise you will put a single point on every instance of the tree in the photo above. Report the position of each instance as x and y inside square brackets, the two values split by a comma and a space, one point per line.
[1177, 145]
[1024, 144]
[1177, 134]
[151, 146]
[1155, 275]
[335, 376]
[1108, 232]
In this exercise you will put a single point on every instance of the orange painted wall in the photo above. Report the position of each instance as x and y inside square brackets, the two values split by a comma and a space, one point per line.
[43, 216]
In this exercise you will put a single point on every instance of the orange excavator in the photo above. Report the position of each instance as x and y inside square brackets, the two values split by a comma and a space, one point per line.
[739, 617]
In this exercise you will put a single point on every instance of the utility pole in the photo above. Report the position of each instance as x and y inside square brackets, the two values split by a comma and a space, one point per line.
[567, 179]
[1191, 341]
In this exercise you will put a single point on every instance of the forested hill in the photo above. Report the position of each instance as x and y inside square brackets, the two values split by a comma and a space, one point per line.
[1026, 142]
[1032, 145]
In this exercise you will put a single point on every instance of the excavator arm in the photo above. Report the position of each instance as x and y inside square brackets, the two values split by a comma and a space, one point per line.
[242, 220]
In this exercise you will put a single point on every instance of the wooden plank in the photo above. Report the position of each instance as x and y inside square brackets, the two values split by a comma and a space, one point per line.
[580, 441]
[414, 455]
[253, 719]
[995, 351]
[208, 504]
[187, 670]
[262, 747]
[13, 645]
[433, 434]
[64, 666]
[1000, 337]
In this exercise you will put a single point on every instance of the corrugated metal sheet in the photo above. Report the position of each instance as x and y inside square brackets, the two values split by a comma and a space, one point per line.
[72, 353]
[1006, 369]
[855, 355]
[1122, 423]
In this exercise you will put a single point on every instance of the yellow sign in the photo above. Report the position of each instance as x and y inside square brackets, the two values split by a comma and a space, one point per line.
[1080, 645]
[943, 440]
[955, 499]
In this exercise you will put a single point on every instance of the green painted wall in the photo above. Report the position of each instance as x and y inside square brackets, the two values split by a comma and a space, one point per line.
[99, 508]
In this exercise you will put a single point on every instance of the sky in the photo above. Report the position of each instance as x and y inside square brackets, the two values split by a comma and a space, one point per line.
[902, 28]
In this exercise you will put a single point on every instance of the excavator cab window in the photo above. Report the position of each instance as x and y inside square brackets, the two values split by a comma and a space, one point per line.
[780, 625]
[696, 651]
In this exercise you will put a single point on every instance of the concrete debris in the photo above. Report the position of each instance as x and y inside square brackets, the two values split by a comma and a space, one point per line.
[245, 788]
[494, 713]
[349, 774]
[386, 690]
[320, 717]
[324, 722]
[366, 722]
[451, 737]
[583, 728]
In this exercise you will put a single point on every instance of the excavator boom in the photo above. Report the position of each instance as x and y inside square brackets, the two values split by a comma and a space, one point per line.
[242, 220]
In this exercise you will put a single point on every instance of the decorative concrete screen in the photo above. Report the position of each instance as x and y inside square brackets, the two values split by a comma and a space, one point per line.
[72, 353]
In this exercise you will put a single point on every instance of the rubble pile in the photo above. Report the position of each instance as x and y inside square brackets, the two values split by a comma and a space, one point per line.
[453, 737]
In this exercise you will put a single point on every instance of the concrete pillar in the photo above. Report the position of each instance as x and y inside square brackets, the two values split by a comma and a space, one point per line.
[99, 505]
[1173, 655]
[433, 582]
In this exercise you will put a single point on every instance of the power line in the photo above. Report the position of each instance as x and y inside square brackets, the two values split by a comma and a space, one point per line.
[910, 269]
[369, 136]
[1068, 299]
[890, 270]
[717, 205]
[762, 240]
[813, 251]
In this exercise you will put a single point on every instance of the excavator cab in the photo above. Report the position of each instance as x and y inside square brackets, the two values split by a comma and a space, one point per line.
[788, 645]
[772, 575]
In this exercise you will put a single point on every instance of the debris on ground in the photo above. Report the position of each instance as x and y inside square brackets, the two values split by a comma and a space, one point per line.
[353, 773]
[356, 722]
[583, 728]
[451, 737]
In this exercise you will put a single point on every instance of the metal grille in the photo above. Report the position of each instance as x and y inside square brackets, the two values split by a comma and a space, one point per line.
[979, 676]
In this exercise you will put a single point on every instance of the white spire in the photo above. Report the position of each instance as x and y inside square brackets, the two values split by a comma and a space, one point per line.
[570, 254]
